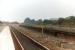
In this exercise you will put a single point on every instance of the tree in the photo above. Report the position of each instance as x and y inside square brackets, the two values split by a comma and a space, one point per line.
[40, 22]
[60, 21]
[27, 21]
[46, 21]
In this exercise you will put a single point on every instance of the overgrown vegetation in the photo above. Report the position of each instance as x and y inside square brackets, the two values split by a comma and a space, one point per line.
[68, 21]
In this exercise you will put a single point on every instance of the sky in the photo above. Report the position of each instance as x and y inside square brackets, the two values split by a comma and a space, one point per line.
[18, 10]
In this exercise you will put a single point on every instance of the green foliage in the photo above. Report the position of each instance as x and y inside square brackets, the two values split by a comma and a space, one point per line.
[61, 21]
[27, 21]
[39, 22]
[46, 22]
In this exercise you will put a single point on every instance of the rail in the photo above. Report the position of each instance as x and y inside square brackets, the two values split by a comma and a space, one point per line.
[20, 45]
[17, 44]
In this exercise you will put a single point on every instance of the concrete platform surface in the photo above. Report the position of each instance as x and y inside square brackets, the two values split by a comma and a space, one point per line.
[6, 42]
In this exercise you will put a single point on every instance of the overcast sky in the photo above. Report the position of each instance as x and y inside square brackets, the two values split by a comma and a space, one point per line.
[18, 10]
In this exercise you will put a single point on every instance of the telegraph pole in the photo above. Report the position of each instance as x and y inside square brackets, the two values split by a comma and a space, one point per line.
[42, 29]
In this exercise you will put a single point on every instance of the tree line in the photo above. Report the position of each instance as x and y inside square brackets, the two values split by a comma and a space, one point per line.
[70, 20]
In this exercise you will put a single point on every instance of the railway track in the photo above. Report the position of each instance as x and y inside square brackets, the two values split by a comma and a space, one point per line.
[53, 30]
[23, 42]
[17, 44]
[66, 39]
[39, 40]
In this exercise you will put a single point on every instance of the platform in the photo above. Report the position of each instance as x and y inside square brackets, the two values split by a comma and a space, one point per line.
[6, 42]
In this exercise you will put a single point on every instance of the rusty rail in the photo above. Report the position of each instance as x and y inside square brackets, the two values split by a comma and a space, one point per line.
[18, 46]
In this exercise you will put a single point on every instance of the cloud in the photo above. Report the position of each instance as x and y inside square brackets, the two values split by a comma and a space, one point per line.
[18, 10]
